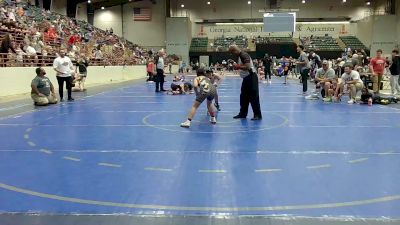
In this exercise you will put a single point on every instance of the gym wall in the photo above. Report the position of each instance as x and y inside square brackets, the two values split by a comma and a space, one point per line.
[384, 34]
[21, 77]
[227, 9]
[398, 23]
[109, 17]
[59, 6]
[81, 12]
[178, 36]
[145, 33]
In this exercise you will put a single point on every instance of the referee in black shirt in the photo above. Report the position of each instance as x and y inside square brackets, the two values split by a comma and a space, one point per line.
[249, 90]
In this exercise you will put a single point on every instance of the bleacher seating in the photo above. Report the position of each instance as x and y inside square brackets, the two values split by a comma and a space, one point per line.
[321, 43]
[352, 42]
[56, 30]
[281, 40]
[223, 43]
[199, 44]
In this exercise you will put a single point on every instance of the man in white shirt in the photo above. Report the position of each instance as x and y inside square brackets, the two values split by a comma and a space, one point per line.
[350, 81]
[31, 54]
[98, 54]
[11, 15]
[30, 51]
[65, 72]
[160, 71]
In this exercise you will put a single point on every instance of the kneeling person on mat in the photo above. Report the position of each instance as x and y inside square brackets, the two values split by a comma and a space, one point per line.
[42, 89]
[204, 90]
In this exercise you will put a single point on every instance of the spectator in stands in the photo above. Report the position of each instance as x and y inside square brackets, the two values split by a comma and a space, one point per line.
[395, 72]
[31, 54]
[64, 68]
[98, 54]
[73, 39]
[19, 59]
[73, 53]
[377, 68]
[3, 13]
[350, 81]
[20, 11]
[46, 51]
[6, 47]
[42, 89]
[52, 34]
[39, 45]
[11, 15]
[87, 36]
[365, 60]
[304, 66]
[340, 66]
[352, 60]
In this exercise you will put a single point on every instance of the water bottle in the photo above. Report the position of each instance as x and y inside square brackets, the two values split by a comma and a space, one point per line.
[370, 102]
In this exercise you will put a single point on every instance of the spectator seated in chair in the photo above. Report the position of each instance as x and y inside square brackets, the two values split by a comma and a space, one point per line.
[42, 89]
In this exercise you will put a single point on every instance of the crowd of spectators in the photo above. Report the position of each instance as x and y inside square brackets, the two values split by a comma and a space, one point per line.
[32, 36]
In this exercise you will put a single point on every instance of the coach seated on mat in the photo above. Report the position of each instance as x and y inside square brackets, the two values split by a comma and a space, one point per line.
[42, 89]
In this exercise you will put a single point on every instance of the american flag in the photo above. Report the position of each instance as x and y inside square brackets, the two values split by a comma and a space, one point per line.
[141, 14]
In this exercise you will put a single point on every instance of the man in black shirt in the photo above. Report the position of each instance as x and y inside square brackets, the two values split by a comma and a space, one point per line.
[395, 71]
[249, 90]
[267, 62]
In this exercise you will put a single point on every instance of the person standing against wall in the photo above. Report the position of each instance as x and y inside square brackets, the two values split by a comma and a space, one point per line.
[249, 90]
[160, 71]
[377, 68]
[64, 68]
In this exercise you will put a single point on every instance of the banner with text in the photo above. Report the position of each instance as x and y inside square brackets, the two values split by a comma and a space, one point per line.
[302, 30]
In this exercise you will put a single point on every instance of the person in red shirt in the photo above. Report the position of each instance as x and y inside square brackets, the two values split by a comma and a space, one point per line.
[51, 34]
[377, 68]
[72, 39]
[151, 67]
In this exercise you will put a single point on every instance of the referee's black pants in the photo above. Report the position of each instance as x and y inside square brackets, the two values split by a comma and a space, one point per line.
[267, 73]
[160, 80]
[68, 82]
[250, 94]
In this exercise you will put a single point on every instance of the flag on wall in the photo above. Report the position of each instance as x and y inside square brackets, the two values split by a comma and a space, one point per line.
[141, 14]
